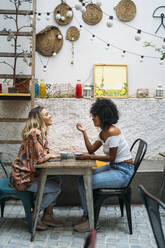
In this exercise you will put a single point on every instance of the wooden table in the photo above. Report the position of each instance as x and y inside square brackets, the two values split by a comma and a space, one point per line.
[163, 178]
[66, 167]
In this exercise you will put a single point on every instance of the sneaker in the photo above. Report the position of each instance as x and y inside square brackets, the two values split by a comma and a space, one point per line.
[50, 221]
[82, 227]
[80, 220]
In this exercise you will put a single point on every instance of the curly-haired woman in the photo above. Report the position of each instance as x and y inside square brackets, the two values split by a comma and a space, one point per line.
[34, 149]
[119, 168]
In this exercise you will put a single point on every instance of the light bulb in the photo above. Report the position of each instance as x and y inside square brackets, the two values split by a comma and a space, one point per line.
[92, 37]
[141, 58]
[58, 16]
[39, 16]
[107, 46]
[44, 68]
[69, 13]
[83, 10]
[62, 18]
[110, 22]
[138, 35]
[161, 61]
[163, 45]
[59, 36]
[54, 54]
[123, 53]
[78, 6]
[48, 16]
[98, 3]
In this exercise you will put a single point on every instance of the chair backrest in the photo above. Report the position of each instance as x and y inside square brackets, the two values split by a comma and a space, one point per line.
[90, 240]
[3, 168]
[153, 205]
[141, 148]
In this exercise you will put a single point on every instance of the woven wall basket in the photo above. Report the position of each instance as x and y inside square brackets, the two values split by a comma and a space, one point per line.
[92, 15]
[72, 33]
[125, 10]
[47, 41]
[63, 9]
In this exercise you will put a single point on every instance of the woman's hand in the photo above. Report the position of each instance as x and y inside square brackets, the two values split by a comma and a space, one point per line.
[83, 156]
[80, 128]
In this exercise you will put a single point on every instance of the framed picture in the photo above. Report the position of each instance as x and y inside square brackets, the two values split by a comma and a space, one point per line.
[110, 81]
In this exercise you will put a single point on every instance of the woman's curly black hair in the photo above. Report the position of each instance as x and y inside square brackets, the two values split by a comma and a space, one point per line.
[106, 110]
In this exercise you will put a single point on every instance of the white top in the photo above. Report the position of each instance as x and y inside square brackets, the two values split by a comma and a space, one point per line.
[123, 151]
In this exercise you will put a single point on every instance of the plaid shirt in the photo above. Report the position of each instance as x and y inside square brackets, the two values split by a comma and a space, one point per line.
[32, 151]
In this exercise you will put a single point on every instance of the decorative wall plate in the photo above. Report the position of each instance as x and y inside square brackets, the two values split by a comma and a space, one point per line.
[63, 8]
[47, 41]
[72, 33]
[125, 10]
[93, 14]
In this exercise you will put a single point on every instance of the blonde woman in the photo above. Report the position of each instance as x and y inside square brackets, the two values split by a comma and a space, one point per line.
[34, 149]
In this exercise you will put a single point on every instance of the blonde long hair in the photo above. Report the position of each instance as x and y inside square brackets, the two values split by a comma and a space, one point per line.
[35, 121]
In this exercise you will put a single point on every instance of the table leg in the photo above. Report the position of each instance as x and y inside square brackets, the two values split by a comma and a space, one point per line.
[41, 185]
[89, 196]
[162, 188]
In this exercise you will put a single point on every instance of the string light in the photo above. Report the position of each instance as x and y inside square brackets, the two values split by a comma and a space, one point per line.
[163, 46]
[161, 61]
[83, 9]
[59, 36]
[48, 16]
[92, 37]
[98, 3]
[110, 22]
[54, 54]
[39, 16]
[138, 35]
[69, 13]
[107, 46]
[45, 68]
[62, 18]
[78, 6]
[141, 58]
[58, 16]
[123, 53]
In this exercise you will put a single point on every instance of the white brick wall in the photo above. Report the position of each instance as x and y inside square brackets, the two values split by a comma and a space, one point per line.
[143, 118]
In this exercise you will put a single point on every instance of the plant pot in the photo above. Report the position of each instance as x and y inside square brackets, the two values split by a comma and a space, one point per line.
[22, 85]
[12, 90]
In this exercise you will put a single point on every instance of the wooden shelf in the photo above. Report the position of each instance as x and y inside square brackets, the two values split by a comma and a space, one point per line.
[17, 76]
[15, 96]
[13, 12]
[5, 33]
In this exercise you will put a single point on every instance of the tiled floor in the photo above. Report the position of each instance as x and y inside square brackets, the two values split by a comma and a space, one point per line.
[112, 234]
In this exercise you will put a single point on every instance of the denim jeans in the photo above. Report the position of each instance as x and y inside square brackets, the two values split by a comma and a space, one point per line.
[108, 176]
[51, 190]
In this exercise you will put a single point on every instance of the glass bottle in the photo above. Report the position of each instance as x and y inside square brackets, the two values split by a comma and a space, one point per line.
[78, 89]
[37, 88]
[42, 88]
[159, 91]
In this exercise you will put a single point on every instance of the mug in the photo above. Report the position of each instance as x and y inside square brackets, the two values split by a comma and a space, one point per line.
[64, 155]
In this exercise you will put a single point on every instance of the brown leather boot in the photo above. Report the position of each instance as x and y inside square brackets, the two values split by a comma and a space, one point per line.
[50, 221]
[80, 220]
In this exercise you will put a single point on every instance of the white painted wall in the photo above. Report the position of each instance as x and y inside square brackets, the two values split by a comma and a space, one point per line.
[87, 53]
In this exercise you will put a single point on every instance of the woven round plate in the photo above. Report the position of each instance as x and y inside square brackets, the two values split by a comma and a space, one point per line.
[125, 10]
[93, 14]
[72, 33]
[63, 9]
[47, 41]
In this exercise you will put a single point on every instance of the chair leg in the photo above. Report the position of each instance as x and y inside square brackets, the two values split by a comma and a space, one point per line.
[121, 203]
[27, 207]
[98, 201]
[2, 207]
[128, 209]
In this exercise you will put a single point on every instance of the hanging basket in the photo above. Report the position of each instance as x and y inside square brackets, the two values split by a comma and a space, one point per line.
[93, 14]
[72, 33]
[126, 10]
[47, 41]
[63, 9]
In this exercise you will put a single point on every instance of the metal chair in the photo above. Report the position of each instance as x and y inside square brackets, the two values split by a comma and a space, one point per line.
[7, 193]
[90, 240]
[123, 194]
[153, 205]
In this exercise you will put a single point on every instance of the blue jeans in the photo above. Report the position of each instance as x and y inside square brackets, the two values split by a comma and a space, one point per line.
[108, 176]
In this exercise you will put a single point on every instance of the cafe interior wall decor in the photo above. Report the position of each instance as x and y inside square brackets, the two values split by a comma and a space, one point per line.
[111, 81]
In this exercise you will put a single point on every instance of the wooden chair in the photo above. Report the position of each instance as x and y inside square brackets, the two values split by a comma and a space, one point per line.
[123, 194]
[7, 193]
[153, 205]
[90, 240]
